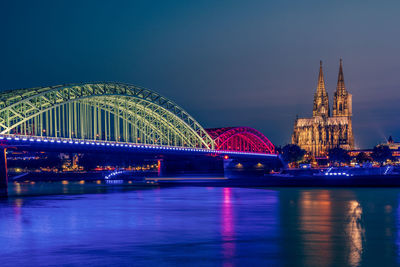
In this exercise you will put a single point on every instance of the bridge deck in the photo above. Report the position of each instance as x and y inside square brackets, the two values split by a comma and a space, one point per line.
[37, 140]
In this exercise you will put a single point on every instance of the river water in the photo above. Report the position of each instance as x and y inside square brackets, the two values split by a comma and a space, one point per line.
[199, 226]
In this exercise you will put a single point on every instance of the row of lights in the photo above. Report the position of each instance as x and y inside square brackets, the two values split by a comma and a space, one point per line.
[116, 144]
[328, 172]
[113, 174]
[339, 173]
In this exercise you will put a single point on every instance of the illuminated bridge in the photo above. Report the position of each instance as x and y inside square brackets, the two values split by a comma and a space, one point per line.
[116, 115]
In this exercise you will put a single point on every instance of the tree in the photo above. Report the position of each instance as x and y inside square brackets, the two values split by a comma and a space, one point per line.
[292, 153]
[362, 157]
[338, 155]
[381, 154]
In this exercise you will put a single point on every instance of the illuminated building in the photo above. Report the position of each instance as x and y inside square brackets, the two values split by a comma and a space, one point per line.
[322, 132]
[392, 144]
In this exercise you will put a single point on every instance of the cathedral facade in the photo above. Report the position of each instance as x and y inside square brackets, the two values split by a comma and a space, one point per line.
[324, 130]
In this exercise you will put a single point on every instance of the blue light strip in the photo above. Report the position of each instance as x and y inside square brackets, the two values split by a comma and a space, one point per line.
[330, 173]
[56, 140]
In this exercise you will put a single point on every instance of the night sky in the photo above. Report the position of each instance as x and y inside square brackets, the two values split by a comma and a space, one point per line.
[228, 63]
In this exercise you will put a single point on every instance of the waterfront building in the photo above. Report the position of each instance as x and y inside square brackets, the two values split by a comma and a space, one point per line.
[393, 145]
[324, 131]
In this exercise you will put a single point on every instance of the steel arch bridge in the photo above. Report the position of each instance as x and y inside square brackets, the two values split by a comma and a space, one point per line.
[243, 139]
[100, 111]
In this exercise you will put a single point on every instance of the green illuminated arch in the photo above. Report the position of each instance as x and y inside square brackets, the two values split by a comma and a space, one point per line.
[100, 111]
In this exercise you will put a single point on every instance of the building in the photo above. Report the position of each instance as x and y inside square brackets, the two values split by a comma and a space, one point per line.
[392, 144]
[325, 131]
[394, 147]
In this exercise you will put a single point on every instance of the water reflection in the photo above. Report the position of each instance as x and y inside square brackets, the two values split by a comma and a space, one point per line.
[355, 233]
[17, 187]
[200, 226]
[227, 226]
[316, 226]
[17, 227]
[398, 231]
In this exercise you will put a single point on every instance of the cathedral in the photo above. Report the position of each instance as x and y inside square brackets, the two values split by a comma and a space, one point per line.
[324, 131]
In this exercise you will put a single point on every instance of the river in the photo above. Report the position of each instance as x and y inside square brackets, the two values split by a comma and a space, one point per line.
[96, 225]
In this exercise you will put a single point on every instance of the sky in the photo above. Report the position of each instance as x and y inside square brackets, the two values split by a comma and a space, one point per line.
[228, 63]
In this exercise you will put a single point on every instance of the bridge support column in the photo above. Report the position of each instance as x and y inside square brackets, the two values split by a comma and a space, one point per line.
[3, 173]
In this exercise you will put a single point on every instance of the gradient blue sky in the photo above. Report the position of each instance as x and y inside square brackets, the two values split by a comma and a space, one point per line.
[251, 63]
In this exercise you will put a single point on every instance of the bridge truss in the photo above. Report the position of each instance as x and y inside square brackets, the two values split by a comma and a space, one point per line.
[100, 111]
[243, 139]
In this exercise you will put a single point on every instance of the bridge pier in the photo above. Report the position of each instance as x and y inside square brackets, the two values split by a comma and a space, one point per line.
[3, 173]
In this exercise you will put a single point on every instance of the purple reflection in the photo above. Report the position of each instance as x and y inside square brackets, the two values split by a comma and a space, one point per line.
[17, 226]
[145, 227]
[227, 225]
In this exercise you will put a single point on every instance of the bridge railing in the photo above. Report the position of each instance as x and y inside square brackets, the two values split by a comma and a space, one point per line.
[114, 144]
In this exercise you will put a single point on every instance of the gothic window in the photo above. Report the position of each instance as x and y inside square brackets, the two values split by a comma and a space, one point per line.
[340, 107]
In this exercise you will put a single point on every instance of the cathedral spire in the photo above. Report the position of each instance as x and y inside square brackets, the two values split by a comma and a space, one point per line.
[321, 82]
[340, 88]
[321, 102]
[342, 100]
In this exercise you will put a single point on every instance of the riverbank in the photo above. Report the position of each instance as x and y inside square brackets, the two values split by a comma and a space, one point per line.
[243, 180]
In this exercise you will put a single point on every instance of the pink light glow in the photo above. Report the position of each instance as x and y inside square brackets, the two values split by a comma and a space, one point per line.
[242, 139]
[227, 230]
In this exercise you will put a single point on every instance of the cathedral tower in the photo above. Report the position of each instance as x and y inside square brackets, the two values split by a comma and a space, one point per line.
[342, 107]
[321, 100]
[342, 100]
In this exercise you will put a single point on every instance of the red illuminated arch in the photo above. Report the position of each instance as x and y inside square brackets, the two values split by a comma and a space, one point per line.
[243, 139]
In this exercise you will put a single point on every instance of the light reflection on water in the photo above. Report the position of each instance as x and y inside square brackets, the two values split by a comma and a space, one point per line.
[227, 225]
[316, 224]
[199, 226]
[355, 233]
